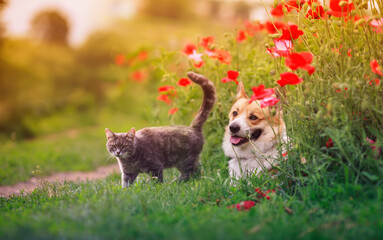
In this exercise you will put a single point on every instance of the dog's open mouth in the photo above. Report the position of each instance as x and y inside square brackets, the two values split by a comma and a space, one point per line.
[236, 140]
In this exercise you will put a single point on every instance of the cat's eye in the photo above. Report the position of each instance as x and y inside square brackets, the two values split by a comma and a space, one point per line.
[235, 113]
[253, 117]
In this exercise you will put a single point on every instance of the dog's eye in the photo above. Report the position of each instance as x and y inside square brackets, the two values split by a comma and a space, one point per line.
[235, 113]
[253, 117]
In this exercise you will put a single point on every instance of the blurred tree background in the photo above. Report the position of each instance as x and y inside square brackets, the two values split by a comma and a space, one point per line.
[50, 26]
[48, 86]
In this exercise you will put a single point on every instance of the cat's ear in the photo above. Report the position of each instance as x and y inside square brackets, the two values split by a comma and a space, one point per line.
[241, 93]
[131, 134]
[109, 134]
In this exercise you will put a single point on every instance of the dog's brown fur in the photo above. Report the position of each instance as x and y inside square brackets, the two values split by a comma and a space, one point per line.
[252, 136]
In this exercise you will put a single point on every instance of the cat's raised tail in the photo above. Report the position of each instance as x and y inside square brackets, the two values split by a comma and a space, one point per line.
[207, 102]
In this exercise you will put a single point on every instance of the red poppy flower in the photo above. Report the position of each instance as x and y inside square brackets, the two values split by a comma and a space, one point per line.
[375, 67]
[142, 56]
[172, 111]
[260, 92]
[289, 78]
[199, 64]
[340, 11]
[119, 59]
[293, 4]
[337, 50]
[206, 42]
[184, 82]
[241, 36]
[189, 48]
[317, 13]
[290, 32]
[282, 48]
[373, 146]
[231, 77]
[300, 60]
[253, 27]
[166, 88]
[376, 82]
[138, 76]
[329, 143]
[164, 98]
[349, 52]
[269, 101]
[245, 205]
[272, 28]
[277, 11]
[222, 55]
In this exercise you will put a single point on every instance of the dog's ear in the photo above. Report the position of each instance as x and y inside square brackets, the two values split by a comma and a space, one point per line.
[241, 93]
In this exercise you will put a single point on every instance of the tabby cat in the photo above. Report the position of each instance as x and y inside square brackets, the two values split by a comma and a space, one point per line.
[151, 150]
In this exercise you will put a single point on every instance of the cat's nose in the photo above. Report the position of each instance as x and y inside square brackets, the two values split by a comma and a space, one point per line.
[234, 128]
[117, 152]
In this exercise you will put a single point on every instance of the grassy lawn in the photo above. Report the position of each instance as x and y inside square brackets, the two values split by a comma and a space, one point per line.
[194, 210]
[329, 185]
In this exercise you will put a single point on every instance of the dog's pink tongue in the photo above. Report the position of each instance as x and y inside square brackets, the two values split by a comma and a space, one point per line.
[235, 139]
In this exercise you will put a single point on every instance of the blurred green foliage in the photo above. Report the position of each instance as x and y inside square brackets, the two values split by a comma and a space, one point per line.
[42, 82]
[37, 80]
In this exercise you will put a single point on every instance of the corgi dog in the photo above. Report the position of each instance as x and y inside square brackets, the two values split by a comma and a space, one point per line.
[253, 135]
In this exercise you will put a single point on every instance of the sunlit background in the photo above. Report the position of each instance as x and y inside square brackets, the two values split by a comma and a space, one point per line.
[59, 58]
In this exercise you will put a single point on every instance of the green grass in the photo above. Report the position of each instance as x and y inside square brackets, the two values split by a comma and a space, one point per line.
[52, 154]
[193, 210]
[337, 194]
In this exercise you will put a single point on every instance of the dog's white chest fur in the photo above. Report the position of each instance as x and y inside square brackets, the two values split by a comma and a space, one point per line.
[253, 135]
[252, 158]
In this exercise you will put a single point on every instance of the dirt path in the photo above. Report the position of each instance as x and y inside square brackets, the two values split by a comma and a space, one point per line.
[33, 183]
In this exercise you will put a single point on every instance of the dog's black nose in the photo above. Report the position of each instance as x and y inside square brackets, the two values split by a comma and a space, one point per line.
[234, 128]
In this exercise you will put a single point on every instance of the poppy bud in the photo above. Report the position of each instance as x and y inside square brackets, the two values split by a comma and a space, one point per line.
[314, 5]
[276, 2]
[284, 9]
[305, 6]
[343, 3]
[364, 5]
[267, 45]
[359, 22]
[272, 72]
[275, 35]
[325, 8]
